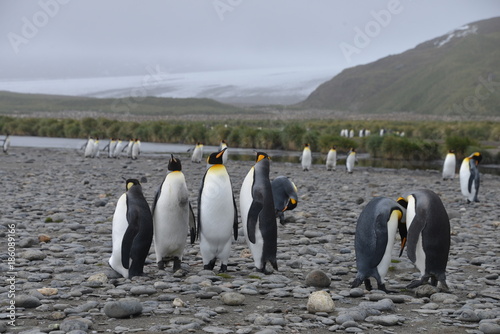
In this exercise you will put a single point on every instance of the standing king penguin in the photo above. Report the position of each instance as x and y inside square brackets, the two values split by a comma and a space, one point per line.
[217, 213]
[258, 215]
[284, 196]
[469, 177]
[331, 159]
[449, 165]
[428, 242]
[306, 158]
[172, 217]
[374, 240]
[351, 160]
[6, 144]
[197, 153]
[132, 231]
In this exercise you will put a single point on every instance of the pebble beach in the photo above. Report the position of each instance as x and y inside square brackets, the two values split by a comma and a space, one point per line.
[57, 210]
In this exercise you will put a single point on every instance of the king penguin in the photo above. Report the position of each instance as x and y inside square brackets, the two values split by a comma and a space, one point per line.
[217, 213]
[89, 148]
[172, 217]
[6, 144]
[197, 153]
[136, 149]
[449, 165]
[306, 158]
[331, 159]
[374, 240]
[351, 160]
[428, 242]
[223, 146]
[258, 215]
[469, 177]
[132, 231]
[284, 196]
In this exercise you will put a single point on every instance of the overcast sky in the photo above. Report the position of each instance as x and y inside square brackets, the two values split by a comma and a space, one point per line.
[63, 38]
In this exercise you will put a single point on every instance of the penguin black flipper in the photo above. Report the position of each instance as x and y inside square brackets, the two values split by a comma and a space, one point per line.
[472, 177]
[192, 224]
[198, 226]
[253, 217]
[415, 231]
[157, 196]
[128, 239]
[235, 222]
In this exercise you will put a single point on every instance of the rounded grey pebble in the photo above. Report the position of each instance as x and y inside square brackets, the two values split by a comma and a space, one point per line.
[33, 255]
[27, 301]
[469, 316]
[489, 328]
[73, 323]
[318, 279]
[142, 290]
[123, 308]
[233, 298]
[356, 292]
[425, 290]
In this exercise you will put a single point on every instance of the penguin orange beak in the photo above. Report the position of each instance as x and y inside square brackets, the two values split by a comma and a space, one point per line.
[403, 243]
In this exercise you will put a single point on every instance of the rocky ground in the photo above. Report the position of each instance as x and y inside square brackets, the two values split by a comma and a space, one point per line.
[57, 208]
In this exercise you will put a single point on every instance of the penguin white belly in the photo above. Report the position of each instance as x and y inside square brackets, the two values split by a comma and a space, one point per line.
[171, 218]
[217, 216]
[420, 256]
[306, 159]
[331, 160]
[464, 179]
[135, 150]
[89, 148]
[120, 225]
[246, 200]
[449, 167]
[350, 162]
[197, 154]
[392, 226]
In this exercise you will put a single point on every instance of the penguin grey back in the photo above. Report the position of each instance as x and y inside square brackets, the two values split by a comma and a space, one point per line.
[139, 234]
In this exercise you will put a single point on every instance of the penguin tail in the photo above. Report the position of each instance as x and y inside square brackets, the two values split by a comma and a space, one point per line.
[274, 264]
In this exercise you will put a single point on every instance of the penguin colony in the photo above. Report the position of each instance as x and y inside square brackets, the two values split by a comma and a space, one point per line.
[419, 217]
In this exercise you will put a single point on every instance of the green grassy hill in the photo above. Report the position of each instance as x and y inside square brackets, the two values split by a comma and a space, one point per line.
[12, 103]
[458, 75]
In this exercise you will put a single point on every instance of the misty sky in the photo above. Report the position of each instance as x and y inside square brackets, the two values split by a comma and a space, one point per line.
[63, 38]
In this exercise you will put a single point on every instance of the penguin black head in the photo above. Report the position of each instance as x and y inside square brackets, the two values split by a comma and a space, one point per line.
[476, 156]
[451, 151]
[402, 229]
[174, 164]
[306, 145]
[216, 157]
[132, 182]
[261, 156]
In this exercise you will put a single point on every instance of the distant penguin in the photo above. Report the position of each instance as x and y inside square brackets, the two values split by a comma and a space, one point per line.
[428, 242]
[95, 148]
[120, 145]
[89, 148]
[217, 213]
[469, 177]
[129, 147]
[331, 159]
[374, 240]
[197, 153]
[223, 146]
[258, 214]
[449, 165]
[136, 149]
[172, 217]
[111, 148]
[284, 196]
[6, 144]
[306, 158]
[351, 133]
[132, 231]
[351, 160]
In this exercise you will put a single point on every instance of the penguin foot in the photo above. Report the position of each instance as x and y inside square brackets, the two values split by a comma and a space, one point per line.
[368, 284]
[223, 268]
[357, 282]
[415, 284]
[210, 265]
[161, 265]
[177, 264]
